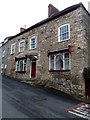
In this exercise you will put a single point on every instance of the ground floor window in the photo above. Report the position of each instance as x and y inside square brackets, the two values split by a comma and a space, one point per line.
[59, 61]
[21, 65]
[2, 68]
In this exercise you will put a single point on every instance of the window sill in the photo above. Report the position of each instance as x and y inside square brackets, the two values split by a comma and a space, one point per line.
[21, 51]
[32, 48]
[60, 41]
[59, 70]
[12, 53]
[20, 71]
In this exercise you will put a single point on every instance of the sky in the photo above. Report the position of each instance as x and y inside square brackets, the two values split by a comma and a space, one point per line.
[14, 14]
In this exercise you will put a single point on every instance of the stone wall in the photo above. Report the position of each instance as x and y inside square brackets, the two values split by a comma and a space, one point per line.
[5, 47]
[70, 82]
[0, 58]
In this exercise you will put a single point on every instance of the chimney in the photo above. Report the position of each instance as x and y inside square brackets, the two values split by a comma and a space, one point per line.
[52, 10]
[23, 29]
[89, 6]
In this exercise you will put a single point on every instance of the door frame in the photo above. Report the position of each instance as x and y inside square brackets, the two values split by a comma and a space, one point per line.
[87, 84]
[31, 61]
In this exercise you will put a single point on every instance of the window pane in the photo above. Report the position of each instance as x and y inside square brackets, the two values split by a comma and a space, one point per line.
[64, 32]
[33, 46]
[22, 46]
[21, 65]
[17, 66]
[33, 43]
[51, 62]
[5, 66]
[13, 47]
[59, 62]
[51, 65]
[67, 61]
[52, 58]
[24, 65]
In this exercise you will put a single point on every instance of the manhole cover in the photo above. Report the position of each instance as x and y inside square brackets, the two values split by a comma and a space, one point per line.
[38, 98]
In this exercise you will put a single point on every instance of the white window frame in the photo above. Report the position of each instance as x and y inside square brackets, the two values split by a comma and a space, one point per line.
[63, 61]
[60, 27]
[34, 37]
[23, 46]
[24, 64]
[5, 66]
[3, 54]
[2, 66]
[50, 62]
[16, 66]
[12, 52]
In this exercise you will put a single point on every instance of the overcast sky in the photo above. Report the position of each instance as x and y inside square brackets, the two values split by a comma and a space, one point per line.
[17, 13]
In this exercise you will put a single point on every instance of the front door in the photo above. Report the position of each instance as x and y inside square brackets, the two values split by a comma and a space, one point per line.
[33, 69]
[87, 83]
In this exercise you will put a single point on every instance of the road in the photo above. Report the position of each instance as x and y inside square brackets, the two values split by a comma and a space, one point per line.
[0, 97]
[20, 100]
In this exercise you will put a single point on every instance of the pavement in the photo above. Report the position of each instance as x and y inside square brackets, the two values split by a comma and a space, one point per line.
[20, 100]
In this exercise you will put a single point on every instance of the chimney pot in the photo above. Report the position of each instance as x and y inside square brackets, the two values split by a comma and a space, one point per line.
[52, 10]
[22, 29]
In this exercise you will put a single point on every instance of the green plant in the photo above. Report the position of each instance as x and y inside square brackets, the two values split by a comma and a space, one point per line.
[86, 73]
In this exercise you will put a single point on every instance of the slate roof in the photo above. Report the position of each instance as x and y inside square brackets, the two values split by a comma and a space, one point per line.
[61, 13]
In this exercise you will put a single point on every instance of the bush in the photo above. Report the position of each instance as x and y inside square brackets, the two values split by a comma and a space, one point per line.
[86, 73]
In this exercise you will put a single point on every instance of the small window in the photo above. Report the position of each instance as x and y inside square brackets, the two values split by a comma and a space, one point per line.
[33, 42]
[64, 32]
[12, 48]
[3, 54]
[21, 46]
[21, 65]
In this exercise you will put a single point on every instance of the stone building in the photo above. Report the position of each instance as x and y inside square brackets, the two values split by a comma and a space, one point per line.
[4, 55]
[0, 57]
[54, 51]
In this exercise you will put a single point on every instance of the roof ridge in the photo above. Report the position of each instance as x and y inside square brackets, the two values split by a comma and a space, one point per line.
[65, 11]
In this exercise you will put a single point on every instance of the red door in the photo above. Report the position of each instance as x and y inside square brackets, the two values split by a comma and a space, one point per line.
[33, 69]
[88, 88]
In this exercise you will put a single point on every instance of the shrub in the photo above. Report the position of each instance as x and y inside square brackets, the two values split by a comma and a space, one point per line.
[86, 73]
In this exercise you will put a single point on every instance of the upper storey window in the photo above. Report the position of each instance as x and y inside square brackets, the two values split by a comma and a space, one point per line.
[21, 46]
[64, 32]
[33, 42]
[3, 54]
[13, 48]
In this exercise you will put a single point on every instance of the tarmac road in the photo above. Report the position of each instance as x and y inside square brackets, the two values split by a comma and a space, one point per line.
[20, 100]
